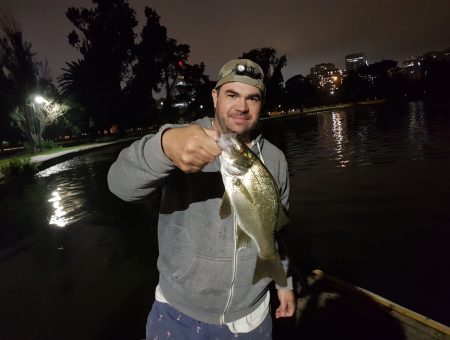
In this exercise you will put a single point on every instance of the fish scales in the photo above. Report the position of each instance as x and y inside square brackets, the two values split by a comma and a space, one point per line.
[252, 195]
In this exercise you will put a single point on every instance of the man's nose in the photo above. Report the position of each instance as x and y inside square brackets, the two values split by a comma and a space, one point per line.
[241, 105]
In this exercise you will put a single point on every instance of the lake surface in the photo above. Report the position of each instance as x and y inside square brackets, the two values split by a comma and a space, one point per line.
[369, 204]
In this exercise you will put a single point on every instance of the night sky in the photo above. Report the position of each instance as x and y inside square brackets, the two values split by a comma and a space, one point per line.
[308, 32]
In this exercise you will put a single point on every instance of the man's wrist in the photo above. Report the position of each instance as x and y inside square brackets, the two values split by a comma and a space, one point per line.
[289, 285]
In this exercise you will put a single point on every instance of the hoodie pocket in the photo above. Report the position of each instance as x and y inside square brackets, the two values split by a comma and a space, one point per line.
[207, 276]
[175, 251]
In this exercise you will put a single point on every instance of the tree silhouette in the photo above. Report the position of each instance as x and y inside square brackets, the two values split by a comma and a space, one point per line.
[194, 90]
[299, 92]
[105, 39]
[354, 88]
[174, 58]
[436, 78]
[272, 65]
[24, 79]
[147, 71]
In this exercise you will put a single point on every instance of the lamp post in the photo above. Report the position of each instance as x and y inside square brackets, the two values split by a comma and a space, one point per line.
[39, 103]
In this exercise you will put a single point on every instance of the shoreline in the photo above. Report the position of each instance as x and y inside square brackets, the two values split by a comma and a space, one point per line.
[284, 114]
[44, 161]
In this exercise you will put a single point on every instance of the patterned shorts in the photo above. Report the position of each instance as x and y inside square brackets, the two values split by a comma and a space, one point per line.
[165, 322]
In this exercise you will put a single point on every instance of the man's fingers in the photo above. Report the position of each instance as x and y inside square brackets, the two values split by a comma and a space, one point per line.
[214, 134]
[211, 146]
[197, 159]
[287, 303]
[192, 147]
[290, 310]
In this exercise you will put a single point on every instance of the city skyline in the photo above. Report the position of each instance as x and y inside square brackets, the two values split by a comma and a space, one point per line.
[309, 34]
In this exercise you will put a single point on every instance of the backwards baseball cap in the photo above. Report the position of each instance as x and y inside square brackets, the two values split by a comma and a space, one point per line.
[242, 71]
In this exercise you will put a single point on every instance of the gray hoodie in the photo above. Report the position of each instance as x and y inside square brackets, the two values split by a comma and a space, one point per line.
[201, 273]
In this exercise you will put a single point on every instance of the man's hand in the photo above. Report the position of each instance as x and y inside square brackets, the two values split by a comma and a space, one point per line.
[192, 147]
[287, 303]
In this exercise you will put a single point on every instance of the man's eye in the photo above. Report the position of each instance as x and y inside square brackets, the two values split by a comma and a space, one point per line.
[232, 96]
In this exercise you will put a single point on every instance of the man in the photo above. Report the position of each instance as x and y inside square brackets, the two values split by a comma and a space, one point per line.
[205, 289]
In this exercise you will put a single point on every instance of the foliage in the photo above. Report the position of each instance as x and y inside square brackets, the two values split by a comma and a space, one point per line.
[272, 65]
[17, 72]
[105, 38]
[194, 91]
[436, 83]
[37, 116]
[174, 58]
[17, 166]
[116, 77]
[300, 92]
[24, 78]
[146, 72]
[354, 88]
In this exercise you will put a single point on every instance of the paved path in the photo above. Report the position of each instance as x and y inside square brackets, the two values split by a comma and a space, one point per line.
[75, 150]
[43, 158]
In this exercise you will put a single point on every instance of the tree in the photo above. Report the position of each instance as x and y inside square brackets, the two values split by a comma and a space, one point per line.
[147, 71]
[194, 90]
[354, 88]
[173, 61]
[380, 76]
[25, 78]
[105, 38]
[299, 92]
[436, 78]
[272, 65]
[38, 114]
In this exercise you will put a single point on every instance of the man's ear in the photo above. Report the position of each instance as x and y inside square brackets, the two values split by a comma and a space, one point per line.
[214, 95]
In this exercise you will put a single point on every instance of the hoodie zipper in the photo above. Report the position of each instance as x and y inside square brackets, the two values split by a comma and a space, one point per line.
[233, 275]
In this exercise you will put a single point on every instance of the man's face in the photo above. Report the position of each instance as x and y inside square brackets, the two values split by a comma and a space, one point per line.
[237, 107]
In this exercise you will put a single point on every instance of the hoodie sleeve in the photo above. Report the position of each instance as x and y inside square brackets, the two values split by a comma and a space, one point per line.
[140, 168]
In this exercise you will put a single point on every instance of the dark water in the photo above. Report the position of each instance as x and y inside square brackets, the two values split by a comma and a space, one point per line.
[369, 204]
[370, 199]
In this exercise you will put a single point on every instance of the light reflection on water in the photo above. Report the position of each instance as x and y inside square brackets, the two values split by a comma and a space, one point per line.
[418, 134]
[339, 134]
[56, 169]
[363, 137]
[67, 187]
[58, 217]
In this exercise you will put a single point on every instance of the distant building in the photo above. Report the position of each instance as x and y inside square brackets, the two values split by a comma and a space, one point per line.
[412, 68]
[439, 55]
[354, 61]
[326, 77]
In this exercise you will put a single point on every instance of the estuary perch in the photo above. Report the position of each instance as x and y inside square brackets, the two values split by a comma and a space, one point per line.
[252, 195]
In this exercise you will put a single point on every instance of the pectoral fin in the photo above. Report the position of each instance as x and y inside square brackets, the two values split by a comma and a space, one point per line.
[225, 207]
[270, 268]
[243, 190]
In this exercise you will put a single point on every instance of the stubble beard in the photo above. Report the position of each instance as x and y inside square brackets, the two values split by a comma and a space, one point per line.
[244, 136]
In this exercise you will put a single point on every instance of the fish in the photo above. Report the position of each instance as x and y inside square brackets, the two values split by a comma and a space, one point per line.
[252, 195]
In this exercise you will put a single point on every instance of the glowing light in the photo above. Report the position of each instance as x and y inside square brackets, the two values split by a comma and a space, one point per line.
[40, 100]
[57, 217]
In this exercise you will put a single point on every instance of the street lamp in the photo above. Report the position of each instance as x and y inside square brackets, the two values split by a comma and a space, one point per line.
[40, 100]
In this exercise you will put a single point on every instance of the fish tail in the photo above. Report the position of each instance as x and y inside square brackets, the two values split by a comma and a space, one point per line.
[270, 268]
